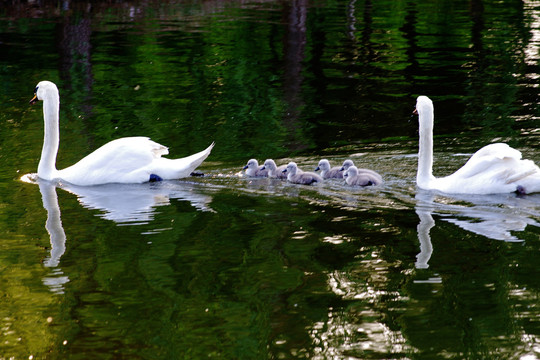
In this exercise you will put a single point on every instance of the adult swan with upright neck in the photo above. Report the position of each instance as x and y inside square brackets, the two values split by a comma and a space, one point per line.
[124, 160]
[495, 168]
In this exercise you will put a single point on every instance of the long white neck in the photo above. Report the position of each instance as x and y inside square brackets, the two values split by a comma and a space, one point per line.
[47, 163]
[425, 151]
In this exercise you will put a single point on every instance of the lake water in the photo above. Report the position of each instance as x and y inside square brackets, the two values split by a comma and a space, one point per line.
[230, 267]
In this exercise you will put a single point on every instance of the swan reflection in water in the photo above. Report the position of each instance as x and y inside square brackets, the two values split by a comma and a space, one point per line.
[496, 217]
[122, 203]
[56, 280]
[136, 203]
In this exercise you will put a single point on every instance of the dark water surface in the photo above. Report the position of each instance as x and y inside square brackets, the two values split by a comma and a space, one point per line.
[230, 267]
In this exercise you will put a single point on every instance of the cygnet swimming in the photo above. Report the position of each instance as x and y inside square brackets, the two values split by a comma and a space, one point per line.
[274, 171]
[355, 178]
[299, 177]
[253, 169]
[348, 163]
[327, 172]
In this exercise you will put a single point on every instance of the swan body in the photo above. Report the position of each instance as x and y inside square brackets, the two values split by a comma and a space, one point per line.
[495, 168]
[124, 160]
[274, 171]
[253, 169]
[355, 178]
[296, 176]
[328, 172]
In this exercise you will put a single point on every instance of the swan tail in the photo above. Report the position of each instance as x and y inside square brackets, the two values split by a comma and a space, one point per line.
[193, 161]
[171, 169]
[183, 167]
[199, 157]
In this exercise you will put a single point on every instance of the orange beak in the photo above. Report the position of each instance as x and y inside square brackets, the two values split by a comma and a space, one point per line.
[34, 100]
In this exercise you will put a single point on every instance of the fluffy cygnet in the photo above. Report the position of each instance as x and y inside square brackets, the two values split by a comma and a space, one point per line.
[348, 163]
[355, 178]
[274, 171]
[253, 169]
[299, 177]
[328, 172]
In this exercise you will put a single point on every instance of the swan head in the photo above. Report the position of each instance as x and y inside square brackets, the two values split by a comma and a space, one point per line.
[324, 165]
[44, 89]
[270, 164]
[252, 164]
[423, 105]
[291, 168]
[351, 171]
[347, 164]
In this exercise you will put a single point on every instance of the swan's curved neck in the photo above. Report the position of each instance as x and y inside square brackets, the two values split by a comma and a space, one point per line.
[47, 163]
[425, 151]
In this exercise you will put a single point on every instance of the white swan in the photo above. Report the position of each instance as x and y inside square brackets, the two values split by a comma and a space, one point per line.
[495, 168]
[124, 160]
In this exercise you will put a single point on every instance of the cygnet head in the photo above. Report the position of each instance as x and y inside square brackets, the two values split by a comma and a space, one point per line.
[252, 164]
[291, 168]
[351, 171]
[44, 89]
[324, 165]
[270, 165]
[347, 164]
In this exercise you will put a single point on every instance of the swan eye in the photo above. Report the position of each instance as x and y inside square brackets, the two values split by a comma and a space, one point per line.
[35, 90]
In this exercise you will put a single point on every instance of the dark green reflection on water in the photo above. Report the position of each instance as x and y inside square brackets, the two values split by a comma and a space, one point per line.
[279, 74]
[232, 268]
